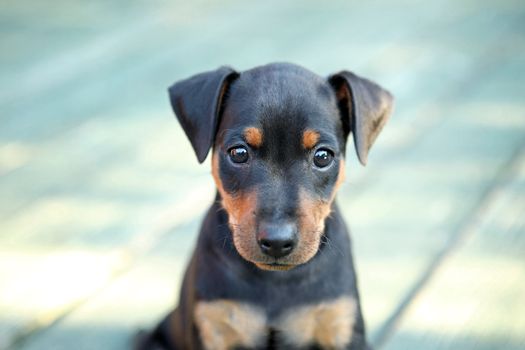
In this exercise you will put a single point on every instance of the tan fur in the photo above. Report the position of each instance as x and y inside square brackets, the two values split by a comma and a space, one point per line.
[310, 138]
[329, 324]
[313, 212]
[225, 324]
[313, 215]
[253, 136]
[241, 215]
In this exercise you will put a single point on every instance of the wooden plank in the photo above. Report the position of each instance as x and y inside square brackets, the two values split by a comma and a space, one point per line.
[475, 299]
[31, 296]
[73, 40]
[134, 300]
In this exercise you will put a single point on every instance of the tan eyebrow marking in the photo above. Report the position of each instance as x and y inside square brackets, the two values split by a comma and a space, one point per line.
[253, 136]
[310, 138]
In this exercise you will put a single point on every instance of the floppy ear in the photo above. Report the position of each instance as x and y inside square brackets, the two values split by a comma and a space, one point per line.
[365, 108]
[197, 103]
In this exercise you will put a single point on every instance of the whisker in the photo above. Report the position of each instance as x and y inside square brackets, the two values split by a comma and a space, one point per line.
[335, 247]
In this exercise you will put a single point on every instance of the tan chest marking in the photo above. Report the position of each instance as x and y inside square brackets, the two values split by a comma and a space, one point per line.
[224, 324]
[328, 324]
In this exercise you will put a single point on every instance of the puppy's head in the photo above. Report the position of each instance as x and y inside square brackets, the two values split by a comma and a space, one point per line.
[278, 134]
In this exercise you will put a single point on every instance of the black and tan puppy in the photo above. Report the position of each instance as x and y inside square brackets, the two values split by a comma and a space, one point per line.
[273, 267]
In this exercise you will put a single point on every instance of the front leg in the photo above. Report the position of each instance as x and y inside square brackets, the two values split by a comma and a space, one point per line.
[227, 324]
[333, 324]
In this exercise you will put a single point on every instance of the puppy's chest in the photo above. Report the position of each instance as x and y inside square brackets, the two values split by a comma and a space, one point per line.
[227, 324]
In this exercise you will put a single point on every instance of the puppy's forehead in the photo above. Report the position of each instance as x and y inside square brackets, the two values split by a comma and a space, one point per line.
[281, 99]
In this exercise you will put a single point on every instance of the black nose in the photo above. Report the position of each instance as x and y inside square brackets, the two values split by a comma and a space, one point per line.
[277, 239]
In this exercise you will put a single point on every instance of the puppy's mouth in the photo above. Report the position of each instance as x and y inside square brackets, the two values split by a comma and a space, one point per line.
[274, 266]
[251, 251]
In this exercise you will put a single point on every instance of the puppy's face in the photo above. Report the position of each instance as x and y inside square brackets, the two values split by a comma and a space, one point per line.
[278, 161]
[278, 134]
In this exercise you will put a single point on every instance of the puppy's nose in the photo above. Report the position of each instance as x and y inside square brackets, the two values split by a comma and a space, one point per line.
[277, 239]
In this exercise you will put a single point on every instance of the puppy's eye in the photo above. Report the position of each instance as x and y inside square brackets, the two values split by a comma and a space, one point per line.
[238, 154]
[323, 157]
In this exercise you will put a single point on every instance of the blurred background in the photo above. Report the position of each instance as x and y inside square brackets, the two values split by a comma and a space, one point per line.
[101, 195]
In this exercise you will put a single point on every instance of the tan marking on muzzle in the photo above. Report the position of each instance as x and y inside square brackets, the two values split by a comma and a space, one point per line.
[310, 138]
[225, 324]
[313, 213]
[328, 324]
[253, 136]
[241, 209]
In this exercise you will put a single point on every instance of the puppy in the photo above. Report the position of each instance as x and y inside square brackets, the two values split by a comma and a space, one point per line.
[273, 266]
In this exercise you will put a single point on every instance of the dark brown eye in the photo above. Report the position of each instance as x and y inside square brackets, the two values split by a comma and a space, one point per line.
[323, 157]
[238, 154]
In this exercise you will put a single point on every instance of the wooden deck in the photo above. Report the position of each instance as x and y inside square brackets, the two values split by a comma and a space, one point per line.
[101, 196]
